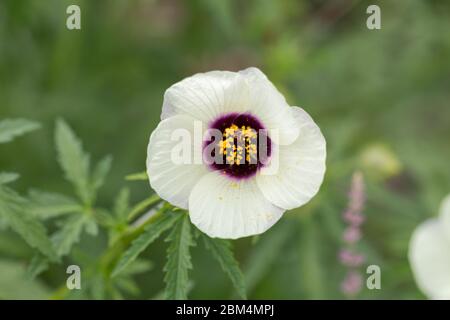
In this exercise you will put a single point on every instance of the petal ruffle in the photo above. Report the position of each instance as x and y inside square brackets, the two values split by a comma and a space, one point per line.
[270, 106]
[205, 96]
[293, 178]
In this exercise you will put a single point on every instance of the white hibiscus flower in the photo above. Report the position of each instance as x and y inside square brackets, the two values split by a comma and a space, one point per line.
[246, 193]
[429, 254]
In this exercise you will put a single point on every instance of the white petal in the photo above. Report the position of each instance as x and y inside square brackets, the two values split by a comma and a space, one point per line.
[173, 181]
[444, 215]
[429, 256]
[301, 166]
[270, 106]
[223, 208]
[205, 96]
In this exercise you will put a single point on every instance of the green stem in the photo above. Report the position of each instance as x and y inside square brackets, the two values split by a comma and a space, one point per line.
[109, 258]
[138, 208]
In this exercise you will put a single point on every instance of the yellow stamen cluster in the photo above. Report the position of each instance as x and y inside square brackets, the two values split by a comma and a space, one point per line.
[245, 147]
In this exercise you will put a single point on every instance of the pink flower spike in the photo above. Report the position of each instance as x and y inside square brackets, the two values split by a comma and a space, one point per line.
[352, 235]
[352, 283]
[350, 259]
[353, 218]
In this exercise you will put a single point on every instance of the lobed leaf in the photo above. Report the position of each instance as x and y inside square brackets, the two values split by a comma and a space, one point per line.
[73, 160]
[70, 233]
[100, 172]
[13, 208]
[222, 252]
[122, 203]
[11, 128]
[138, 266]
[178, 260]
[7, 177]
[38, 264]
[127, 285]
[46, 205]
[150, 234]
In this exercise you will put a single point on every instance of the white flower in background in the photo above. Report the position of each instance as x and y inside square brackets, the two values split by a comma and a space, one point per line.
[250, 192]
[429, 254]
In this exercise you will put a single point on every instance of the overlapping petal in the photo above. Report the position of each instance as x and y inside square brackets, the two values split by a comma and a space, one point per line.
[205, 96]
[220, 205]
[295, 177]
[224, 208]
[270, 106]
[174, 180]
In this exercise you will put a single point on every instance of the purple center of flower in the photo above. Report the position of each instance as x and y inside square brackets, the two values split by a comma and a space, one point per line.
[237, 145]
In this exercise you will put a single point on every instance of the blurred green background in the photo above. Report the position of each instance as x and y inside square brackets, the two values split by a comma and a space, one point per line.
[380, 97]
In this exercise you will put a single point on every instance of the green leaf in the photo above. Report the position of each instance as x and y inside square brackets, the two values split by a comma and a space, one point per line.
[73, 160]
[150, 234]
[222, 252]
[7, 177]
[91, 226]
[137, 176]
[125, 281]
[11, 128]
[45, 205]
[160, 295]
[122, 203]
[138, 266]
[69, 234]
[100, 172]
[178, 260]
[38, 264]
[117, 221]
[13, 208]
[127, 285]
[103, 217]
